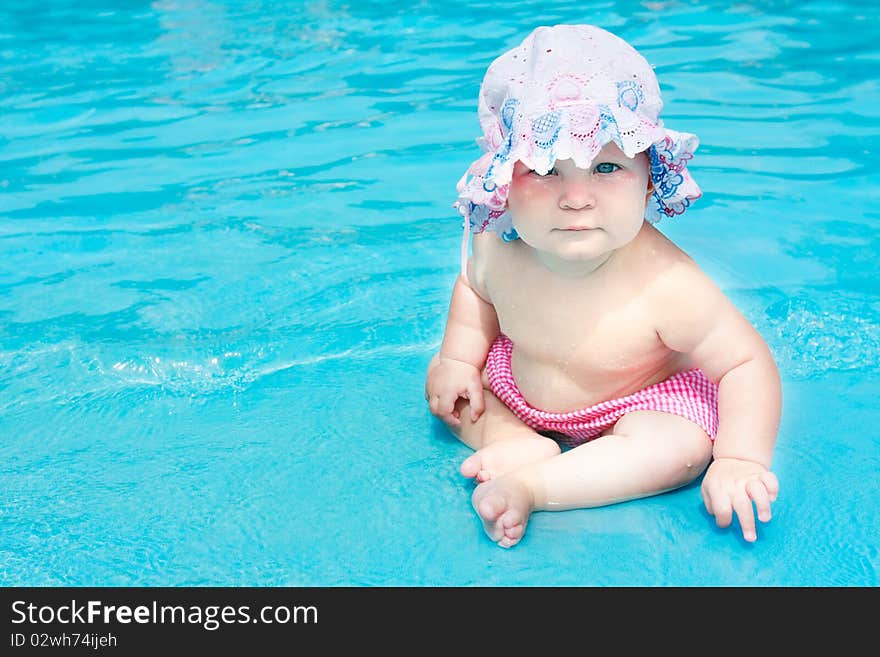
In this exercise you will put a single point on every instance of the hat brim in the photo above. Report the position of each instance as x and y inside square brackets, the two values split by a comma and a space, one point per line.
[483, 190]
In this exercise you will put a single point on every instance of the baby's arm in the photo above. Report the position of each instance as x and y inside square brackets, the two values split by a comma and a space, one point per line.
[471, 327]
[698, 319]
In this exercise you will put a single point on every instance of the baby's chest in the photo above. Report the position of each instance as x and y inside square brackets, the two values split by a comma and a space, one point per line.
[604, 327]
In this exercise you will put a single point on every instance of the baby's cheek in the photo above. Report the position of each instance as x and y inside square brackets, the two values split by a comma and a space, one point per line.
[527, 190]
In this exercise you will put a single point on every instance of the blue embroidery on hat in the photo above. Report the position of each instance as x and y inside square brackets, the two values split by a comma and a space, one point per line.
[629, 95]
[545, 129]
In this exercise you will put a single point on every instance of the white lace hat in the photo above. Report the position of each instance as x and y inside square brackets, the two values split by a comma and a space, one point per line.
[565, 92]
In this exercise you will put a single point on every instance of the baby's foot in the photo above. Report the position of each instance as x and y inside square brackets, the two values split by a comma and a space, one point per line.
[504, 505]
[503, 456]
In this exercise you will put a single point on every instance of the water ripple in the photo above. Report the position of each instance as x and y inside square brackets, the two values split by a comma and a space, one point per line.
[201, 197]
[816, 332]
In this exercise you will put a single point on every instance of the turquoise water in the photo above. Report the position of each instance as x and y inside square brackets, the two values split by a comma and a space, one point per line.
[226, 251]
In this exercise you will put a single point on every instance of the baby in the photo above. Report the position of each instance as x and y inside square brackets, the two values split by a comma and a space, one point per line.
[586, 358]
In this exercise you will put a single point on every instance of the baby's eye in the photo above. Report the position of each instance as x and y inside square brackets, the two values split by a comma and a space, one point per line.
[607, 167]
[551, 172]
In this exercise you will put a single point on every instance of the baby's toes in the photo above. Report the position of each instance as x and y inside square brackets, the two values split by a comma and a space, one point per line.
[490, 506]
[472, 466]
[507, 541]
[512, 520]
[497, 532]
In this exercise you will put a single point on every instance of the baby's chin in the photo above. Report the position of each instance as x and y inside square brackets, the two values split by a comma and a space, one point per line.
[573, 259]
[577, 245]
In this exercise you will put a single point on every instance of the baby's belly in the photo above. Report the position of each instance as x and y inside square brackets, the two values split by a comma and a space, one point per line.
[570, 386]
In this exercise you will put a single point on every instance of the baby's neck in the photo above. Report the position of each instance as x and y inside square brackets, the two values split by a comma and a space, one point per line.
[573, 268]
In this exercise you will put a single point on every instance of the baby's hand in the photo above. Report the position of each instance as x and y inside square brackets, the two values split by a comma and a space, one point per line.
[448, 379]
[732, 485]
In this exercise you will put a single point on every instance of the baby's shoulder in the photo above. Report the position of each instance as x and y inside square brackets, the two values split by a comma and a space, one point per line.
[489, 251]
[484, 256]
[485, 242]
[677, 283]
[659, 258]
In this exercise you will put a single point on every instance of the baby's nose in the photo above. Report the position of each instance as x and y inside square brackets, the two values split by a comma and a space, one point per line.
[577, 192]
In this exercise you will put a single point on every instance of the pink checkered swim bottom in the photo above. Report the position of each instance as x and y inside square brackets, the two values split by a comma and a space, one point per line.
[688, 394]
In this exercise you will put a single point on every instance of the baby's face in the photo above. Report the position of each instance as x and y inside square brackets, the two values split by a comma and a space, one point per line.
[581, 214]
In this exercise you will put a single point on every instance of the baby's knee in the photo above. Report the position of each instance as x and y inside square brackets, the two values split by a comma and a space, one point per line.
[696, 455]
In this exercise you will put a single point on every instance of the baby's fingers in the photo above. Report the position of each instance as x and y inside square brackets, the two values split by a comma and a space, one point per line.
[443, 406]
[757, 490]
[718, 505]
[772, 484]
[476, 400]
[742, 504]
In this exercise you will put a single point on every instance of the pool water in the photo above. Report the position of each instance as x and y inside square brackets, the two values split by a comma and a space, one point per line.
[226, 252]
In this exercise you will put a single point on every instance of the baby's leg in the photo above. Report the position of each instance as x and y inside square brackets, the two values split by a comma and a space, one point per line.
[647, 452]
[502, 441]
